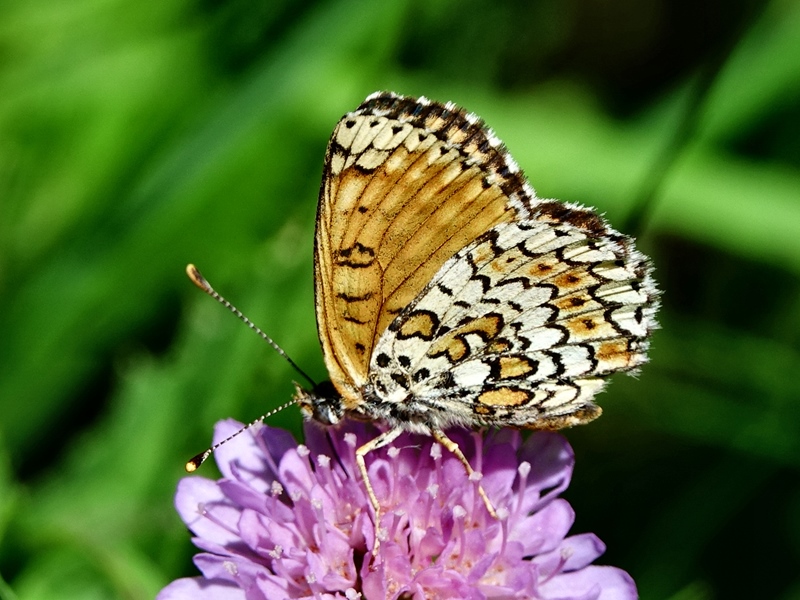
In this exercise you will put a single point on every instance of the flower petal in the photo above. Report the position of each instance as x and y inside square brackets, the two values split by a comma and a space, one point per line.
[241, 450]
[206, 511]
[596, 582]
[544, 530]
[197, 588]
[551, 460]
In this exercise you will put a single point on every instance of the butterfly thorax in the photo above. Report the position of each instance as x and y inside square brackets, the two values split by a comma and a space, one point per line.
[324, 405]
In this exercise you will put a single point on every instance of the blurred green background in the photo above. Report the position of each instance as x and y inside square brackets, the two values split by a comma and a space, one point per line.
[136, 137]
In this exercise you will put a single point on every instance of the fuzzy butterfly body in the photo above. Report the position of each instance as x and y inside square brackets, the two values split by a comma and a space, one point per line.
[449, 294]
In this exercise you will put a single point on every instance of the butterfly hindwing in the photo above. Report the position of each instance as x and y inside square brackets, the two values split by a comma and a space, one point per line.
[520, 327]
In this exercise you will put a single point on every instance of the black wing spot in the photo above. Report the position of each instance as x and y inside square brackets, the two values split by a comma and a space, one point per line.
[558, 362]
[445, 290]
[350, 319]
[485, 282]
[447, 380]
[420, 375]
[400, 380]
[523, 281]
[349, 298]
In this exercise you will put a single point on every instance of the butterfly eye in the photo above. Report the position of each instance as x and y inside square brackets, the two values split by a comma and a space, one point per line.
[324, 410]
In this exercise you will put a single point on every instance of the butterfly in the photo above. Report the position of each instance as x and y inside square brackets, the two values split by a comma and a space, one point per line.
[449, 294]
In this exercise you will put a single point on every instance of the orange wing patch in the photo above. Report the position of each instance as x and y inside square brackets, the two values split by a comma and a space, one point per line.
[504, 397]
[455, 344]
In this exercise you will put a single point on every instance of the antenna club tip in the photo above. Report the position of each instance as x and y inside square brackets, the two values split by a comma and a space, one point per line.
[197, 278]
[194, 463]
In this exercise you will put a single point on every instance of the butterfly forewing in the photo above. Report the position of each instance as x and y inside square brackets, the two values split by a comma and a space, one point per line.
[406, 185]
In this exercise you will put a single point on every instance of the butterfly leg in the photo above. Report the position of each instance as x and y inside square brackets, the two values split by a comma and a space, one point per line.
[379, 442]
[445, 441]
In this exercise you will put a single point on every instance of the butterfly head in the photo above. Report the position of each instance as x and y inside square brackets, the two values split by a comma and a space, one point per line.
[321, 404]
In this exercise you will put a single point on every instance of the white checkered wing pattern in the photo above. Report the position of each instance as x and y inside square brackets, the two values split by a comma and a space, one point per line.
[519, 328]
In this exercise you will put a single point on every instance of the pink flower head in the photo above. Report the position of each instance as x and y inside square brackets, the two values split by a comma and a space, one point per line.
[294, 521]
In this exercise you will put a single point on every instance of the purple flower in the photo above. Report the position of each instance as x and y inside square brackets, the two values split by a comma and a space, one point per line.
[294, 521]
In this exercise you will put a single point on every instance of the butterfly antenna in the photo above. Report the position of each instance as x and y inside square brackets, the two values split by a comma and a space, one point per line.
[201, 282]
[199, 459]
